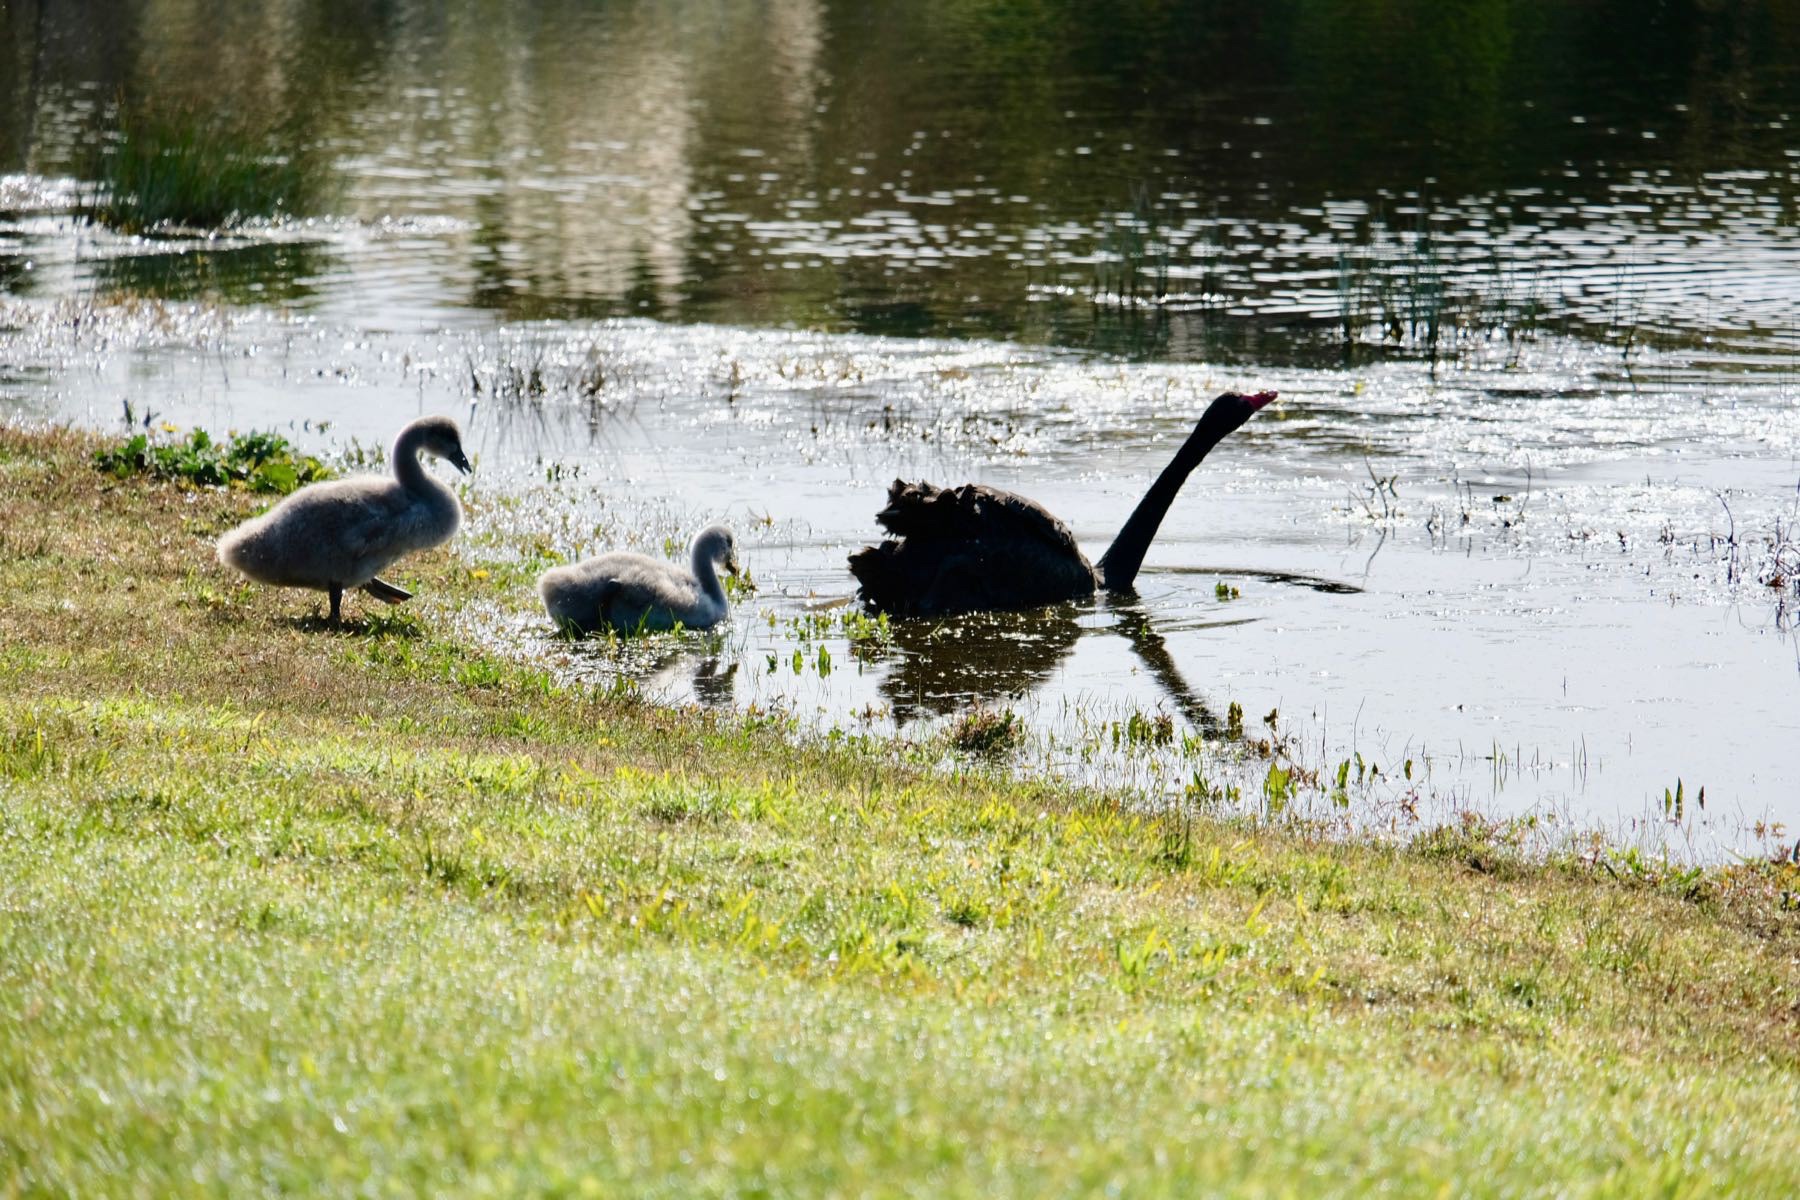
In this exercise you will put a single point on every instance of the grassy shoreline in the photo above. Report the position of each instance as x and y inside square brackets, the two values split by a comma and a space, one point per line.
[289, 908]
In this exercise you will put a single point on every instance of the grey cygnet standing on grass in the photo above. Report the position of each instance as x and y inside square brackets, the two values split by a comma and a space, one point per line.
[629, 592]
[341, 534]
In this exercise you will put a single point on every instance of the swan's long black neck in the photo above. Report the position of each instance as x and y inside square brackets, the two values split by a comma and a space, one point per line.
[1118, 567]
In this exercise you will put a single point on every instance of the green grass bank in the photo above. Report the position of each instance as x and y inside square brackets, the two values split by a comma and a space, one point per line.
[285, 908]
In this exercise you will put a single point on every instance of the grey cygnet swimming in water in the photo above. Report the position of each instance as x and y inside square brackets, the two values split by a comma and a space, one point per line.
[629, 592]
[341, 534]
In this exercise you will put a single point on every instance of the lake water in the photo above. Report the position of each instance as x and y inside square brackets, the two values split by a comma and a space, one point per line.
[1521, 531]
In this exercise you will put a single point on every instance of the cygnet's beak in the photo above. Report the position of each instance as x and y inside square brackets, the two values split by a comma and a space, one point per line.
[460, 461]
[732, 568]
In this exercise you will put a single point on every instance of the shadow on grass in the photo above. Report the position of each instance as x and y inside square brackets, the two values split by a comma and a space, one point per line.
[375, 624]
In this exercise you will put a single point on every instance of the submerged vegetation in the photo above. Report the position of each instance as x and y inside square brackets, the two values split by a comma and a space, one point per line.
[192, 169]
[520, 373]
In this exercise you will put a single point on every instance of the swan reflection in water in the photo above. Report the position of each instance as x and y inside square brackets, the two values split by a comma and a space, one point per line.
[941, 667]
[938, 667]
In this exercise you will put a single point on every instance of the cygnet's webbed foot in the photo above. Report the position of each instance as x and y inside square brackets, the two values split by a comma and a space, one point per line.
[381, 589]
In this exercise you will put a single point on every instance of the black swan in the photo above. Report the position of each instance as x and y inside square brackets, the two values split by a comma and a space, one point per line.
[975, 548]
[341, 534]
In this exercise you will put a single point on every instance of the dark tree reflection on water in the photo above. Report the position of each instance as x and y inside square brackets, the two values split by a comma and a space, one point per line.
[973, 169]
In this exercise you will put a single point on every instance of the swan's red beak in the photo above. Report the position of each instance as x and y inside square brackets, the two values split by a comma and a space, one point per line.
[1260, 399]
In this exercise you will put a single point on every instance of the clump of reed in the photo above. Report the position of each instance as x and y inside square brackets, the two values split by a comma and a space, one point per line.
[1131, 267]
[188, 169]
[987, 732]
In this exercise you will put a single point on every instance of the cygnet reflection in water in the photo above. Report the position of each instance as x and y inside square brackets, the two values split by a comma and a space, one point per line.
[662, 670]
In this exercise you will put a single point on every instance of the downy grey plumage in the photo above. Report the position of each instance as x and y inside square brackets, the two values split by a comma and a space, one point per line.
[631, 592]
[343, 533]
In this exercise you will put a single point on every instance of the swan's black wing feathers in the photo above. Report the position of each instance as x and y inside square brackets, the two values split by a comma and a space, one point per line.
[973, 510]
[968, 549]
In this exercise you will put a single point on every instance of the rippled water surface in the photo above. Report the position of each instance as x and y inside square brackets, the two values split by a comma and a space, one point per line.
[1520, 531]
